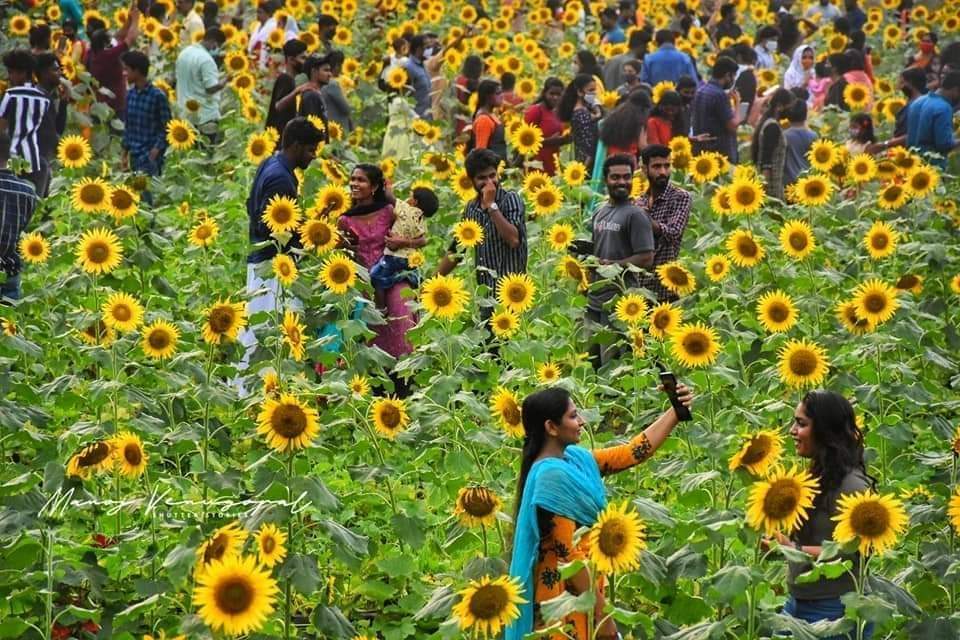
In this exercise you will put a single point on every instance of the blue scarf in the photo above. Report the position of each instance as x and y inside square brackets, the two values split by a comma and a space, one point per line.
[570, 487]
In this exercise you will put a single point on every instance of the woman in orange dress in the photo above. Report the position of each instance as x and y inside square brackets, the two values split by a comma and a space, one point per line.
[560, 490]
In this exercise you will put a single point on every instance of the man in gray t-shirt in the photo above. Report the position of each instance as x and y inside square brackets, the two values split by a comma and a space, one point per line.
[799, 140]
[622, 235]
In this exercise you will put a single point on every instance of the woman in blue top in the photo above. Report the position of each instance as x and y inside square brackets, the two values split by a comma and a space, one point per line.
[559, 490]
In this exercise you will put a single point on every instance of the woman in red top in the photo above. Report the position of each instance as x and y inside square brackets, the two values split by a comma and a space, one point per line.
[662, 118]
[625, 129]
[543, 113]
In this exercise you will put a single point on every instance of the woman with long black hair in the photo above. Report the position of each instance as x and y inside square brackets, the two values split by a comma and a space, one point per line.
[488, 131]
[825, 431]
[769, 146]
[580, 107]
[624, 130]
[543, 113]
[559, 490]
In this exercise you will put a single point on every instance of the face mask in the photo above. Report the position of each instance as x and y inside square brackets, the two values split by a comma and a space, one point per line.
[429, 52]
[591, 99]
[770, 45]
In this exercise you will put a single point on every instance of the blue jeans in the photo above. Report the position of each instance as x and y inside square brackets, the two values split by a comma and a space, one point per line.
[815, 610]
[142, 163]
[389, 270]
[10, 288]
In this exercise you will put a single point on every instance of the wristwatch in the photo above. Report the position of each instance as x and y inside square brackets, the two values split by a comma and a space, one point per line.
[493, 207]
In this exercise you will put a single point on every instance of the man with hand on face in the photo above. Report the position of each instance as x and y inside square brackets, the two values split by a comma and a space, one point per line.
[622, 236]
[668, 207]
[501, 213]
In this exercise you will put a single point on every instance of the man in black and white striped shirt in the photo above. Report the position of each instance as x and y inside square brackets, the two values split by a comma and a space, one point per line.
[502, 215]
[18, 199]
[22, 109]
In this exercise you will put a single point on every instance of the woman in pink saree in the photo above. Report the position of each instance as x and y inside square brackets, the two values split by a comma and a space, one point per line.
[364, 227]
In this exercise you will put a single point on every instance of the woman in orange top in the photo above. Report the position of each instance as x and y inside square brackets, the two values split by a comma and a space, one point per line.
[560, 490]
[664, 115]
[488, 131]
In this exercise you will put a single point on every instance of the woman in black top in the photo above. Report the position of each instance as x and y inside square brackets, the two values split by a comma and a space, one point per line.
[825, 431]
[769, 146]
[580, 107]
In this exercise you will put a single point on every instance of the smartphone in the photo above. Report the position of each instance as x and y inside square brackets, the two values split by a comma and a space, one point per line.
[669, 382]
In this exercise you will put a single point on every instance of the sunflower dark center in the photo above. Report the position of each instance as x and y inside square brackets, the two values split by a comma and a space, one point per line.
[677, 276]
[258, 148]
[98, 252]
[221, 319]
[133, 454]
[94, 454]
[203, 232]
[545, 198]
[158, 339]
[516, 293]
[478, 502]
[746, 196]
[281, 214]
[180, 134]
[442, 297]
[879, 241]
[870, 519]
[340, 274]
[908, 281]
[798, 241]
[121, 199]
[511, 413]
[390, 416]
[122, 312]
[747, 247]
[35, 249]
[74, 152]
[234, 595]
[781, 500]
[696, 344]
[814, 189]
[319, 234]
[661, 321]
[92, 194]
[289, 420]
[778, 312]
[613, 538]
[803, 362]
[632, 309]
[717, 267]
[875, 303]
[293, 335]
[757, 450]
[489, 602]
[268, 544]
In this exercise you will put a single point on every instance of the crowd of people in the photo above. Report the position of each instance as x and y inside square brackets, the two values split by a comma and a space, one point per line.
[616, 116]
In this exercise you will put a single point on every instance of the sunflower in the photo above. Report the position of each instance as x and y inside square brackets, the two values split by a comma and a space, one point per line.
[759, 453]
[560, 236]
[922, 180]
[160, 340]
[616, 539]
[338, 273]
[477, 506]
[129, 456]
[180, 135]
[333, 200]
[574, 173]
[856, 95]
[955, 284]
[876, 301]
[504, 323]
[744, 249]
[892, 197]
[746, 196]
[488, 605]
[547, 199]
[74, 152]
[91, 459]
[34, 248]
[284, 269]
[19, 25]
[694, 345]
[720, 201]
[571, 268]
[122, 312]
[527, 139]
[318, 235]
[204, 232]
[468, 233]
[881, 240]
[823, 155]
[444, 296]
[533, 181]
[910, 282]
[293, 334]
[704, 167]
[505, 407]
[676, 278]
[953, 511]
[287, 423]
[781, 501]
[548, 373]
[359, 385]
[516, 291]
[97, 333]
[813, 190]
[664, 320]
[874, 520]
[803, 363]
[861, 168]
[796, 239]
[631, 309]
[90, 195]
[99, 251]
[717, 267]
[270, 545]
[389, 416]
[396, 78]
[235, 595]
[851, 320]
[661, 88]
[259, 148]
[776, 312]
[282, 214]
[224, 322]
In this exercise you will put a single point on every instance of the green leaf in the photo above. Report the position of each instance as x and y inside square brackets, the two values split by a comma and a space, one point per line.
[12, 628]
[376, 590]
[21, 554]
[317, 492]
[398, 565]
[480, 567]
[410, 529]
[347, 539]
[302, 571]
[652, 511]
[801, 630]
[439, 605]
[331, 623]
[904, 602]
[566, 603]
[129, 611]
[702, 631]
[730, 583]
[869, 607]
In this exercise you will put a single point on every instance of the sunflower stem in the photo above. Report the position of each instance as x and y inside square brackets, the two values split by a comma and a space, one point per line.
[861, 583]
[286, 588]
[483, 532]
[816, 307]
[206, 432]
[48, 597]
[880, 412]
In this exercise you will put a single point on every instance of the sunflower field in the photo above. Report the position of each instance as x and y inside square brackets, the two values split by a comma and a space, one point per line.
[153, 486]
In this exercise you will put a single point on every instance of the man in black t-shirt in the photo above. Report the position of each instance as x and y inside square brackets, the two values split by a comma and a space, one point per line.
[282, 111]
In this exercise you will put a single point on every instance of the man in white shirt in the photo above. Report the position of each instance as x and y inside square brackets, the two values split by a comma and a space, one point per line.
[199, 79]
[192, 23]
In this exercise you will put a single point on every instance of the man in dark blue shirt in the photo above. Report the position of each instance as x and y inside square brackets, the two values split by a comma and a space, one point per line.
[714, 117]
[18, 199]
[930, 119]
[667, 63]
[148, 112]
[418, 77]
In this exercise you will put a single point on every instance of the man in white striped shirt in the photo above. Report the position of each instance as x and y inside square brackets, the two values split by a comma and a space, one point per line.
[22, 109]
[18, 199]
